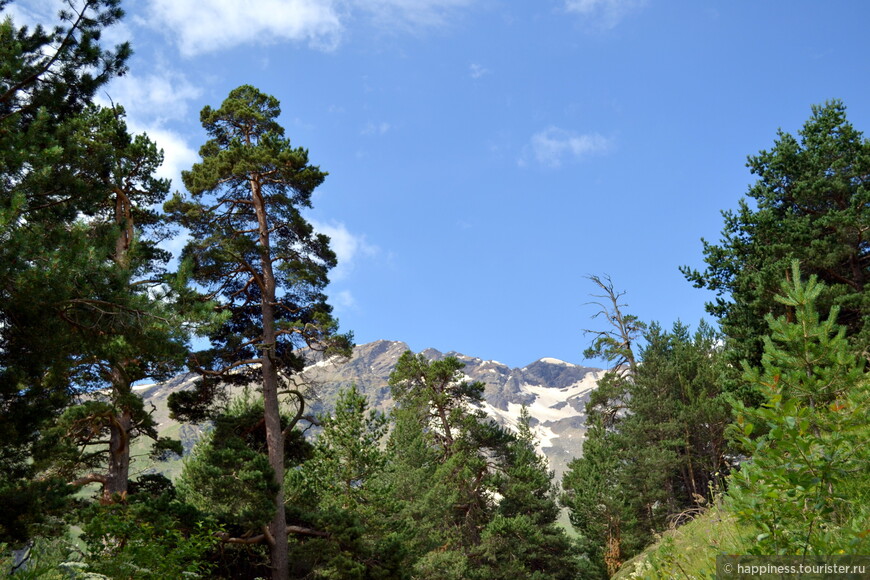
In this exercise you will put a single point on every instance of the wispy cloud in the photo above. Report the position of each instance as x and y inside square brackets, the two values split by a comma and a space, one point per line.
[476, 71]
[343, 299]
[32, 12]
[554, 146]
[348, 247]
[410, 14]
[604, 13]
[372, 128]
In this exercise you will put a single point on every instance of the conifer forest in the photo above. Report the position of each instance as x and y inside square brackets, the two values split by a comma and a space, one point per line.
[751, 429]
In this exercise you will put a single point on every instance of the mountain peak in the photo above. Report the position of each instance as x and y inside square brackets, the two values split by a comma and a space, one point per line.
[554, 361]
[554, 391]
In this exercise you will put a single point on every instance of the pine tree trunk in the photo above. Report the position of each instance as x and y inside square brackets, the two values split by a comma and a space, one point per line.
[688, 449]
[118, 474]
[279, 553]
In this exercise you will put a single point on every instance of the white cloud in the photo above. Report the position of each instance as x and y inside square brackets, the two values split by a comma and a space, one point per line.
[177, 154]
[202, 26]
[346, 245]
[605, 13]
[156, 97]
[552, 146]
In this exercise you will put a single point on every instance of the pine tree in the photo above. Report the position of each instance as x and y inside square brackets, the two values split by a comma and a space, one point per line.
[256, 254]
[810, 203]
[596, 501]
[228, 475]
[672, 436]
[347, 458]
[342, 490]
[655, 444]
[134, 326]
[523, 539]
[616, 344]
[47, 257]
[453, 452]
[813, 423]
[594, 496]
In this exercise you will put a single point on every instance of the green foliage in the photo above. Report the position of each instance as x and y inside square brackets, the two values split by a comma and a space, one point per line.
[438, 390]
[228, 475]
[59, 288]
[800, 490]
[673, 436]
[253, 252]
[55, 558]
[810, 203]
[446, 441]
[133, 324]
[149, 537]
[472, 499]
[689, 552]
[341, 492]
[596, 500]
[31, 507]
[347, 459]
[258, 252]
[523, 540]
[655, 445]
[616, 344]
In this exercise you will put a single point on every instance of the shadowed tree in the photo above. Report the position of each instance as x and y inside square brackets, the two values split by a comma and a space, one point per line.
[134, 326]
[48, 256]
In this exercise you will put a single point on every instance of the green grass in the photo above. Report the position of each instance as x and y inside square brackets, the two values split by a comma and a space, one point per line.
[689, 551]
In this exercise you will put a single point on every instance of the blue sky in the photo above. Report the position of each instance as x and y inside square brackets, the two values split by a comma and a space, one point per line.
[485, 155]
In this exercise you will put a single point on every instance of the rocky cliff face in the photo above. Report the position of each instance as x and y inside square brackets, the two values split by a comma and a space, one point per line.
[554, 391]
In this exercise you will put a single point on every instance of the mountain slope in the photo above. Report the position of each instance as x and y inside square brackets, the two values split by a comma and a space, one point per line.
[554, 391]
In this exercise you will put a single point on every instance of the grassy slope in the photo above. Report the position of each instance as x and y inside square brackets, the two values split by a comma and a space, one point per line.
[689, 551]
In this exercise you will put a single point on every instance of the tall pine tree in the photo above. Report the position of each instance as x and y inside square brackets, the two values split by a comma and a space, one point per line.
[256, 255]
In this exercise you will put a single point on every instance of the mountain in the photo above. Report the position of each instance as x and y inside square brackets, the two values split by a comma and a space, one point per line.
[554, 391]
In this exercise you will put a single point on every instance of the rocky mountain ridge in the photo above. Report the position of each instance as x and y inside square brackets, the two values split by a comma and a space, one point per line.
[555, 392]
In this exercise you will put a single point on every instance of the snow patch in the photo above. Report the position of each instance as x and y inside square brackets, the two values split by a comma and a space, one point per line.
[555, 361]
[333, 360]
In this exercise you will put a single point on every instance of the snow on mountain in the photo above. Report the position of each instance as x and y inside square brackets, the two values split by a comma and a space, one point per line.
[554, 391]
